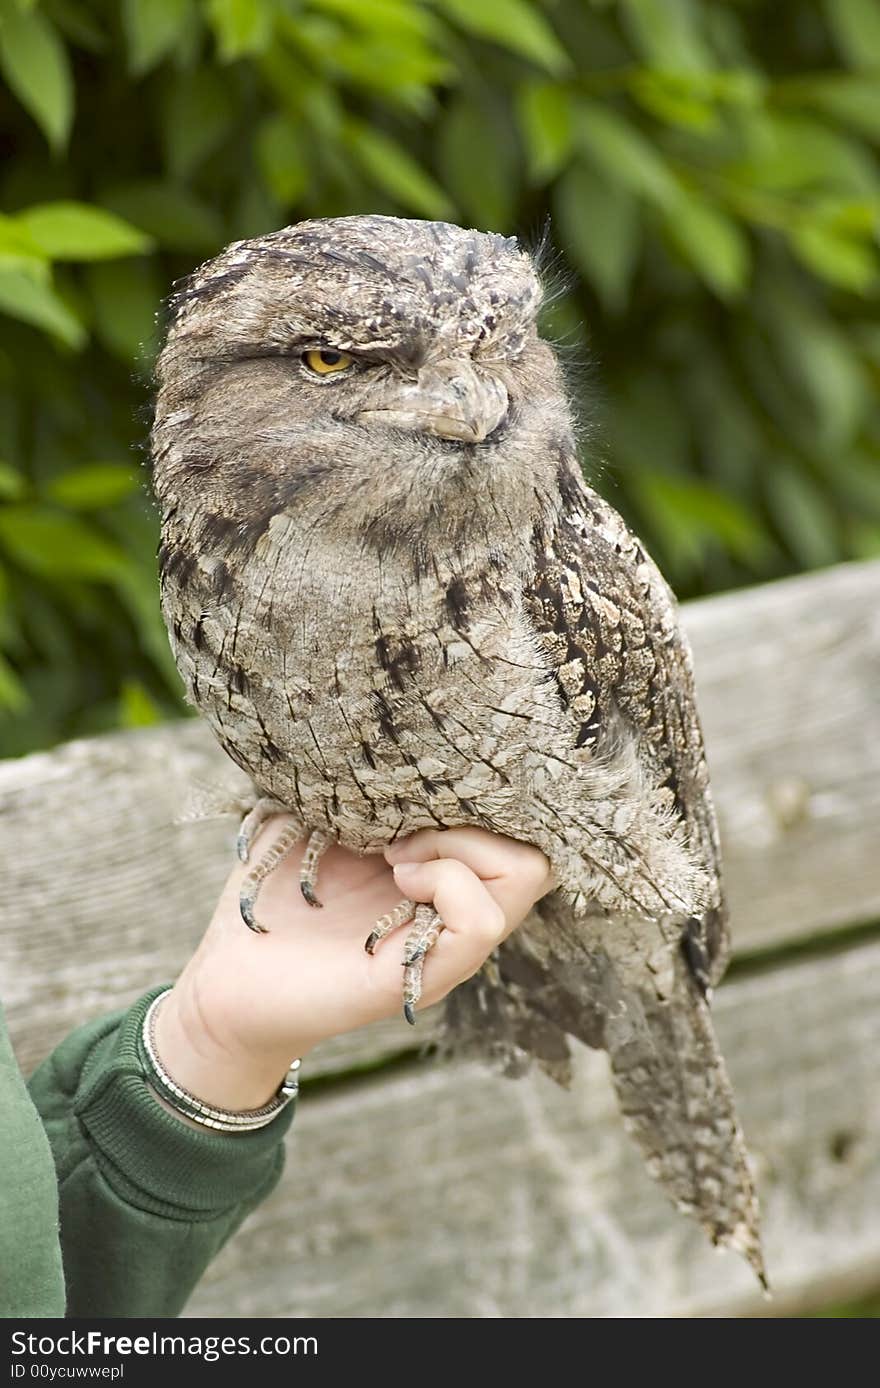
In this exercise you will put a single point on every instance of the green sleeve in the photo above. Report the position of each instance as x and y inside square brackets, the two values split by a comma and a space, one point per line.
[31, 1281]
[145, 1200]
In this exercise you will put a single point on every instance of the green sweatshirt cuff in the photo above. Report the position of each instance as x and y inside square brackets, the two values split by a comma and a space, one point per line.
[153, 1160]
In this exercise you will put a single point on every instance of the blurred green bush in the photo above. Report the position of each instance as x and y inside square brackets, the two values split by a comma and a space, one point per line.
[711, 176]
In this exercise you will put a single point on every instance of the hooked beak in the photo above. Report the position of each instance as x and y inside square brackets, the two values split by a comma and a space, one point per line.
[449, 400]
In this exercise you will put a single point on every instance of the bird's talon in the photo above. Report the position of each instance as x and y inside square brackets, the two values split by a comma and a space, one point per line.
[318, 841]
[246, 907]
[370, 943]
[308, 893]
[409, 1014]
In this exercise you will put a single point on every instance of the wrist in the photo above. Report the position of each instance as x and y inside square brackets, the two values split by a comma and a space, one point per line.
[213, 1066]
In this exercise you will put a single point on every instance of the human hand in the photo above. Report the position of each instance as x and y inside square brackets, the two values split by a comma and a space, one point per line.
[246, 1004]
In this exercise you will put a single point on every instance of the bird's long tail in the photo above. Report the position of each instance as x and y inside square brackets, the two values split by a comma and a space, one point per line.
[619, 986]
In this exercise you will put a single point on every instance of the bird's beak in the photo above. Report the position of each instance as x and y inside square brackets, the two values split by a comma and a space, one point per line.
[450, 400]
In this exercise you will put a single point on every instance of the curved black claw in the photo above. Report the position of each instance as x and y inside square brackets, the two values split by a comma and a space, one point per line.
[409, 1014]
[370, 942]
[246, 907]
[308, 893]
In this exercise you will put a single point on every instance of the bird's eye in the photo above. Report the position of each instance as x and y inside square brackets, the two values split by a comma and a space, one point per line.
[324, 361]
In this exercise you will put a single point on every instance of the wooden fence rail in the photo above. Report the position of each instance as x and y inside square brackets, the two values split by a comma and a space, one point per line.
[432, 1190]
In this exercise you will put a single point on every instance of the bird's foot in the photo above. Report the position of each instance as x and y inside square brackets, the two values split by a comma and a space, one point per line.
[319, 839]
[253, 822]
[288, 839]
[403, 912]
[421, 938]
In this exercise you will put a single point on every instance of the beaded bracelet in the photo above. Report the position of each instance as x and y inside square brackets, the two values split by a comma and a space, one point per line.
[222, 1120]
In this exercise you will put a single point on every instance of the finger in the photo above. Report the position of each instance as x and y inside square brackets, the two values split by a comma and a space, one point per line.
[516, 873]
[488, 855]
[482, 851]
[458, 895]
[475, 924]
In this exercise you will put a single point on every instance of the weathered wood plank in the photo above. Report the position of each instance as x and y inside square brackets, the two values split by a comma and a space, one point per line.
[788, 678]
[104, 895]
[446, 1192]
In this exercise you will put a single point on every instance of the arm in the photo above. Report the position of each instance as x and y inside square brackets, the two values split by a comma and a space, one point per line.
[147, 1198]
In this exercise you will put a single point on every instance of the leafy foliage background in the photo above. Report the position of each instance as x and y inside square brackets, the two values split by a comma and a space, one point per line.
[710, 170]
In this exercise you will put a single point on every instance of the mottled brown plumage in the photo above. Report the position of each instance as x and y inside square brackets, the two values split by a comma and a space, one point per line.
[398, 605]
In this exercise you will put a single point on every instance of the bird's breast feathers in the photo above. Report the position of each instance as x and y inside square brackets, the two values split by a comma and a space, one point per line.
[374, 716]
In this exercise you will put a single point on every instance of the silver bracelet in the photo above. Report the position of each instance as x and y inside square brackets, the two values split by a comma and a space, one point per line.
[222, 1120]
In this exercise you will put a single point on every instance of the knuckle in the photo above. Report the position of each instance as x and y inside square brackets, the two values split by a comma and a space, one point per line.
[456, 873]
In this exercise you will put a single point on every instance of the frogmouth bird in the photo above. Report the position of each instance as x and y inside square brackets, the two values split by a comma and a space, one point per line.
[398, 604]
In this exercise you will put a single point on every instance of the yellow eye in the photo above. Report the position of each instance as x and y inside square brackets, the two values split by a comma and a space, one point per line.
[324, 361]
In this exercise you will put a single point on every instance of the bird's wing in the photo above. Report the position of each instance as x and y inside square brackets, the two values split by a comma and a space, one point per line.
[609, 626]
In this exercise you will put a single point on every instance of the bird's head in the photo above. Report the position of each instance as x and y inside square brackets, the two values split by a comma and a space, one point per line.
[364, 367]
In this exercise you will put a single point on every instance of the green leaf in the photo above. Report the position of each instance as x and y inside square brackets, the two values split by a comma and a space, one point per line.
[34, 61]
[478, 161]
[75, 231]
[394, 171]
[173, 217]
[391, 59]
[58, 546]
[676, 100]
[688, 513]
[38, 304]
[401, 76]
[92, 486]
[788, 153]
[125, 299]
[152, 29]
[279, 151]
[19, 250]
[600, 224]
[852, 100]
[711, 241]
[844, 260]
[823, 365]
[620, 151]
[384, 16]
[545, 121]
[33, 269]
[667, 34]
[512, 24]
[855, 25]
[241, 27]
[12, 483]
[137, 708]
[197, 114]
